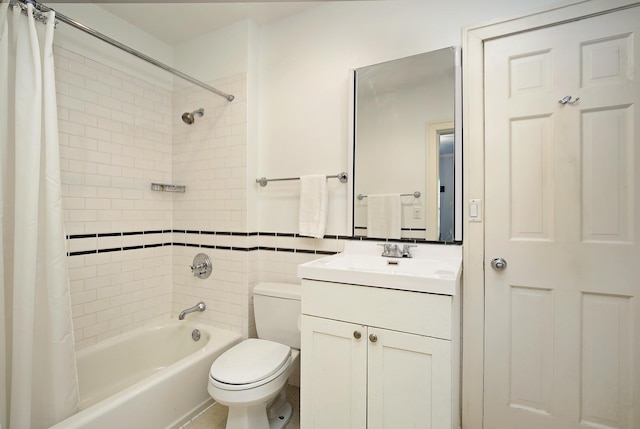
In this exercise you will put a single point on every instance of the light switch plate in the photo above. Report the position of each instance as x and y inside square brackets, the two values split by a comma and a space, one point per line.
[475, 210]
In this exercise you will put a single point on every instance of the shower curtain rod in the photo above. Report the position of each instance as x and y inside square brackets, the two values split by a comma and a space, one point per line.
[43, 8]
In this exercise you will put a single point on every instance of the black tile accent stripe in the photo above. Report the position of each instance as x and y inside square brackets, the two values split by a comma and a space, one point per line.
[219, 247]
[74, 236]
[113, 249]
[110, 234]
[402, 229]
[325, 252]
[306, 251]
[84, 252]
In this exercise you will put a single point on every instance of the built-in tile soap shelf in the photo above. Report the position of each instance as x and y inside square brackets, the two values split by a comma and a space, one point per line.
[168, 188]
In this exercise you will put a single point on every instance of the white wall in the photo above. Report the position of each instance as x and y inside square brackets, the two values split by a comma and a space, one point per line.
[304, 71]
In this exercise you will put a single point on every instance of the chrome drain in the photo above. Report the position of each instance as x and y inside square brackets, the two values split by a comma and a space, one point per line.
[195, 334]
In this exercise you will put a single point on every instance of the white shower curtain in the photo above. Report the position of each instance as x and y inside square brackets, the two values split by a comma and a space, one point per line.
[38, 378]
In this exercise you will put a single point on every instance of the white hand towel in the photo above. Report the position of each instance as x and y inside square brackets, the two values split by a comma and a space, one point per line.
[383, 216]
[312, 218]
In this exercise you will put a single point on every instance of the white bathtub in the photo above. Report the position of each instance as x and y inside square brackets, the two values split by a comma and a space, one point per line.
[151, 378]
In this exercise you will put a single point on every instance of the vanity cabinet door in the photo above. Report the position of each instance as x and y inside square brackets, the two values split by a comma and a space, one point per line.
[409, 381]
[334, 374]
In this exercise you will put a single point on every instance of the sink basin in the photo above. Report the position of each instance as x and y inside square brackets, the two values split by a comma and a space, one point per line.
[432, 269]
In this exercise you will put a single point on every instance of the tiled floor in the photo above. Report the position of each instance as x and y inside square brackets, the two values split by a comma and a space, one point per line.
[215, 417]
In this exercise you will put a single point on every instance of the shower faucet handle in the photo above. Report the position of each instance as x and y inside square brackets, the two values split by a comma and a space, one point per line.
[201, 266]
[198, 267]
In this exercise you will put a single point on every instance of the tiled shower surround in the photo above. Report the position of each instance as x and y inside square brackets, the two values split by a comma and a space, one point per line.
[129, 248]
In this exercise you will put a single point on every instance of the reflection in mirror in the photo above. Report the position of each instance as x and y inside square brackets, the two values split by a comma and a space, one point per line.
[407, 148]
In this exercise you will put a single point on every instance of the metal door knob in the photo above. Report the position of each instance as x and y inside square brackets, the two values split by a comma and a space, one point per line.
[498, 264]
[357, 335]
[373, 338]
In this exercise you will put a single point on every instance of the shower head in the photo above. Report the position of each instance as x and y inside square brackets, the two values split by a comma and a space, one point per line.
[190, 117]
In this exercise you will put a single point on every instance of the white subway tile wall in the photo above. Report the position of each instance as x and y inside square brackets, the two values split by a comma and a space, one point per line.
[225, 291]
[209, 157]
[114, 142]
[130, 248]
[115, 138]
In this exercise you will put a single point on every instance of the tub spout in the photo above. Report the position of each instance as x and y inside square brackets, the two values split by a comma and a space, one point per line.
[198, 307]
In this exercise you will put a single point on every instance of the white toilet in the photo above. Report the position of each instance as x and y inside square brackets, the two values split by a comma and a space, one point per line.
[251, 377]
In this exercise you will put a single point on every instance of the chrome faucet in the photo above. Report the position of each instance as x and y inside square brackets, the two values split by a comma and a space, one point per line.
[198, 307]
[394, 251]
[406, 250]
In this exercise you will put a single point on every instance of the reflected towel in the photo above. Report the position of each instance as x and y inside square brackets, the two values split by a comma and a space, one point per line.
[383, 215]
[312, 218]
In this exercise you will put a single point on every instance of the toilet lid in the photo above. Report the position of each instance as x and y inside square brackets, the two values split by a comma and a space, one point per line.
[250, 361]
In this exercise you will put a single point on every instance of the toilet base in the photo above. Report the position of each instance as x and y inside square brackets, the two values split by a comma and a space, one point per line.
[276, 415]
[256, 417]
[282, 417]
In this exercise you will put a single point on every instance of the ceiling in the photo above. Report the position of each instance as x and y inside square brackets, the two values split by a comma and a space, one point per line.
[178, 22]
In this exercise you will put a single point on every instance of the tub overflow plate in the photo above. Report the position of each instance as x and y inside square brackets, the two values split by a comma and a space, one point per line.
[195, 334]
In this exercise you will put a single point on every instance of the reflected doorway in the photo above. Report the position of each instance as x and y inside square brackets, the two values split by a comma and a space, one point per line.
[440, 181]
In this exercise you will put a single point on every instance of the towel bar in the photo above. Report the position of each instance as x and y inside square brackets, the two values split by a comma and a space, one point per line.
[416, 194]
[263, 180]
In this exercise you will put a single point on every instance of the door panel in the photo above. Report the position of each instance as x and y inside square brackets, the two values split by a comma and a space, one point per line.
[562, 207]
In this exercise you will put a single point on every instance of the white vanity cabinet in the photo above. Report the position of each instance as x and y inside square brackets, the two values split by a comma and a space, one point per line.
[378, 358]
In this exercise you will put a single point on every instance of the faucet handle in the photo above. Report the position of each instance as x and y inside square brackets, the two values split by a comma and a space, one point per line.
[388, 248]
[201, 266]
[406, 250]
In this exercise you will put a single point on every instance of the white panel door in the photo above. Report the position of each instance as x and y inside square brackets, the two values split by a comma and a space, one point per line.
[334, 372]
[562, 343]
[409, 381]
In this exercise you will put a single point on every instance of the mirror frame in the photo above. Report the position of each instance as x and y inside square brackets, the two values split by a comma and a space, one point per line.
[457, 125]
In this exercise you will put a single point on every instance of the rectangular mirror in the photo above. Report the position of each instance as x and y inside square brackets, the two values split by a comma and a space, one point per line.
[407, 148]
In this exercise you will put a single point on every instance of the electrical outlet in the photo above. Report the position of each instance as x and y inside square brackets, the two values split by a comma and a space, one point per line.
[417, 212]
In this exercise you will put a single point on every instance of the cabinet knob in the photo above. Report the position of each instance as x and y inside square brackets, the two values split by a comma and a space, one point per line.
[357, 335]
[373, 338]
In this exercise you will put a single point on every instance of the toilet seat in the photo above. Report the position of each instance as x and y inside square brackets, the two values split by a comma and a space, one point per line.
[250, 364]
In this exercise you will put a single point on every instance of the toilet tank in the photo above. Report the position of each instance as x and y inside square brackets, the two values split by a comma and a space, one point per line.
[276, 307]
